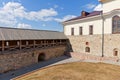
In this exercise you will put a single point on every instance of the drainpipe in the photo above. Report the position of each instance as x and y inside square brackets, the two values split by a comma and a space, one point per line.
[102, 16]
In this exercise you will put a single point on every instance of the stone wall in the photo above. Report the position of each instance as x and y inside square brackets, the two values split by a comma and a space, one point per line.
[17, 59]
[94, 42]
[85, 57]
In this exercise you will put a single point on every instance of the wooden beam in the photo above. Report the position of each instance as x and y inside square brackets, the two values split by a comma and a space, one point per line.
[20, 44]
[3, 46]
[34, 43]
[53, 43]
[60, 41]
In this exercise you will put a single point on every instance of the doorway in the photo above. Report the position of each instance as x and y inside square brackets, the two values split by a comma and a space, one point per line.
[41, 57]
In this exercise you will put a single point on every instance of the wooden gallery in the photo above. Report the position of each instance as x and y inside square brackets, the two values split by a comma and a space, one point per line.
[23, 47]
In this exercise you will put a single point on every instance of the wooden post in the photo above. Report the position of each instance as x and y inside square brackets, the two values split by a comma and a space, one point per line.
[20, 44]
[60, 41]
[44, 43]
[53, 43]
[3, 46]
[34, 43]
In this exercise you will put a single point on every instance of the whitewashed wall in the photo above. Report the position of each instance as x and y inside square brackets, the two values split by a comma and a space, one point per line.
[109, 6]
[97, 27]
[96, 22]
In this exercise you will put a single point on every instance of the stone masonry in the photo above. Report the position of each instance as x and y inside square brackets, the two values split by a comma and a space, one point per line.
[94, 42]
[18, 59]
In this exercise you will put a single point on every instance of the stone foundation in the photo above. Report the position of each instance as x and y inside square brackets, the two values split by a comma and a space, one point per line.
[94, 42]
[92, 57]
[17, 59]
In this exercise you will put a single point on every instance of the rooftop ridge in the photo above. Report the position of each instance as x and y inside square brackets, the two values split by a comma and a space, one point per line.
[28, 29]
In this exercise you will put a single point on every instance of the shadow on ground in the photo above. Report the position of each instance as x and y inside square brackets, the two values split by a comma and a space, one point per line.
[12, 74]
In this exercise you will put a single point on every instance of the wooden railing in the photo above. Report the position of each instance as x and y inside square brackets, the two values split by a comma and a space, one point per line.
[29, 46]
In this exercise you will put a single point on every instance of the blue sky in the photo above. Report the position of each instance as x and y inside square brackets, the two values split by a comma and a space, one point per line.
[42, 14]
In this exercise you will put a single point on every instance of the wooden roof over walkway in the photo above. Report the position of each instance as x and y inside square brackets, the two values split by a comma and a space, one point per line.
[29, 34]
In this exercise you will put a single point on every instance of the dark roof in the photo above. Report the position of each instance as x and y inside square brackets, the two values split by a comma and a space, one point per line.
[29, 34]
[94, 13]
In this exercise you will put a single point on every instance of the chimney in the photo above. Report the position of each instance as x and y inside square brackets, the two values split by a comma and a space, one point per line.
[84, 13]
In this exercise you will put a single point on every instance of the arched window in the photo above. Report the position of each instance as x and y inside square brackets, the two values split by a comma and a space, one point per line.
[87, 49]
[116, 24]
[115, 52]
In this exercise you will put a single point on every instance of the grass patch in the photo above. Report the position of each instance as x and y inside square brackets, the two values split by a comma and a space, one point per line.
[76, 71]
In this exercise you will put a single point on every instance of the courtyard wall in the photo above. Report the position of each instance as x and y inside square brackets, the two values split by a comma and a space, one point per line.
[17, 59]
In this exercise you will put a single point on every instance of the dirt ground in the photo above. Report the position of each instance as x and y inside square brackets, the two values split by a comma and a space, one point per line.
[76, 71]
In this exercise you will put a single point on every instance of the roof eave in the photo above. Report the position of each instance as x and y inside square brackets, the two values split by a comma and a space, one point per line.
[63, 23]
[104, 1]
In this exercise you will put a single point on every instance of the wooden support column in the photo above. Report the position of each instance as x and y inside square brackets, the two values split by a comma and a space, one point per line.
[53, 43]
[20, 44]
[60, 41]
[3, 46]
[34, 43]
[45, 42]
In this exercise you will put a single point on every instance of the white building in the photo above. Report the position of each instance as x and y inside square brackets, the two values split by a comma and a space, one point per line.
[111, 9]
[97, 30]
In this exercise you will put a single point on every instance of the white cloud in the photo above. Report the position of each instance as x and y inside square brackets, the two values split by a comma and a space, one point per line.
[90, 6]
[23, 25]
[43, 25]
[65, 18]
[43, 15]
[98, 8]
[11, 11]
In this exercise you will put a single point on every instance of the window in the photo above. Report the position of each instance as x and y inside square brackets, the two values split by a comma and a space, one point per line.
[80, 31]
[72, 31]
[115, 52]
[116, 24]
[87, 43]
[91, 29]
[87, 49]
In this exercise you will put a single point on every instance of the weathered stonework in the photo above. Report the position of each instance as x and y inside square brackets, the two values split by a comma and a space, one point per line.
[86, 57]
[111, 42]
[18, 59]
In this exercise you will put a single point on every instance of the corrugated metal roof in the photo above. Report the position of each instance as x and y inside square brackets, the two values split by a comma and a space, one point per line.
[29, 34]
